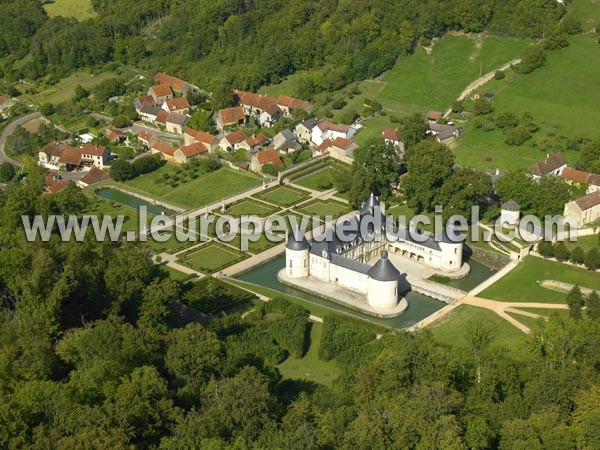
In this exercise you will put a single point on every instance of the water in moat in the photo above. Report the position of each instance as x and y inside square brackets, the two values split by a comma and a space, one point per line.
[420, 306]
[116, 195]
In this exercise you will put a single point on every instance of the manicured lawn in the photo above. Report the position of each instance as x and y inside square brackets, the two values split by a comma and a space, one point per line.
[372, 128]
[451, 329]
[420, 82]
[173, 273]
[211, 257]
[320, 207]
[321, 180]
[79, 9]
[310, 367]
[194, 193]
[173, 245]
[283, 195]
[520, 285]
[562, 96]
[249, 207]
[101, 208]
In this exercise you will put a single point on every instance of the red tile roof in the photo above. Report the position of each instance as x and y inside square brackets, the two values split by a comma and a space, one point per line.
[70, 156]
[588, 201]
[94, 176]
[577, 176]
[326, 125]
[176, 104]
[291, 102]
[194, 149]
[342, 143]
[161, 117]
[259, 139]
[324, 147]
[546, 166]
[269, 156]
[146, 100]
[53, 149]
[94, 150]
[113, 135]
[232, 115]
[172, 82]
[200, 136]
[391, 134]
[236, 137]
[161, 90]
[256, 101]
[145, 135]
[164, 148]
[433, 115]
[54, 183]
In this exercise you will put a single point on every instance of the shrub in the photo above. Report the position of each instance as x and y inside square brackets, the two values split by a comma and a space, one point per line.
[482, 106]
[254, 343]
[7, 171]
[499, 75]
[506, 120]
[341, 333]
[577, 255]
[546, 249]
[592, 259]
[561, 252]
[121, 170]
[147, 164]
[457, 106]
[531, 59]
[516, 136]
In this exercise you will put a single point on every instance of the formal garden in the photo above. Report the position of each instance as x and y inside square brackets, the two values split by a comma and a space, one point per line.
[211, 257]
[282, 195]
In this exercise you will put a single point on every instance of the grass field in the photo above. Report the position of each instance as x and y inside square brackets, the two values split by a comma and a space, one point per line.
[321, 180]
[310, 367]
[79, 9]
[195, 193]
[451, 329]
[211, 258]
[562, 96]
[320, 207]
[585, 242]
[423, 81]
[520, 285]
[173, 273]
[282, 195]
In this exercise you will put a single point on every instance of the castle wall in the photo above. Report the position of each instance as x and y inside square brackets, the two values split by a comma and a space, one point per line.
[348, 278]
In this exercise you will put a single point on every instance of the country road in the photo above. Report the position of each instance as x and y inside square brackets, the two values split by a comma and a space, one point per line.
[10, 129]
[481, 81]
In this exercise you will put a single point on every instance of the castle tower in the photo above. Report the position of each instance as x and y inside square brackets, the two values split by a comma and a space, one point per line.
[368, 207]
[297, 251]
[382, 284]
[452, 253]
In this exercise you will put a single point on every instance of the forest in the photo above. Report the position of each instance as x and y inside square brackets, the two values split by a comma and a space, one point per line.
[94, 355]
[251, 43]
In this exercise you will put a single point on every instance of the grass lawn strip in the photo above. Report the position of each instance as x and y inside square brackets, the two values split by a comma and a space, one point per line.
[321, 207]
[249, 207]
[283, 196]
[211, 257]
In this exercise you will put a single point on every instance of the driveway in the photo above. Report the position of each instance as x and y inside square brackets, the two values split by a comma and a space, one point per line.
[10, 129]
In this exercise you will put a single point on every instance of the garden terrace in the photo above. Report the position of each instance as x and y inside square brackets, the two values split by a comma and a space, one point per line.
[211, 257]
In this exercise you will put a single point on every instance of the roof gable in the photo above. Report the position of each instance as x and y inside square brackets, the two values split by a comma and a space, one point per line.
[548, 165]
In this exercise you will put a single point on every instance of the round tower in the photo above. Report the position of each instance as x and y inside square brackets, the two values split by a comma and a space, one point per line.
[510, 213]
[452, 253]
[382, 284]
[297, 252]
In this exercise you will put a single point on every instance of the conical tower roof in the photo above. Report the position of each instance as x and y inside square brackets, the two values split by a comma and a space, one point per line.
[384, 270]
[297, 240]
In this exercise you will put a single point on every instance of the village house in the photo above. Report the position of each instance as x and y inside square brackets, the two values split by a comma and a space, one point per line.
[392, 136]
[50, 155]
[161, 118]
[181, 87]
[94, 176]
[160, 93]
[304, 130]
[254, 142]
[263, 108]
[444, 134]
[176, 122]
[97, 155]
[323, 148]
[187, 152]
[232, 141]
[145, 138]
[166, 151]
[179, 105]
[54, 183]
[552, 165]
[433, 116]
[115, 136]
[228, 117]
[285, 141]
[269, 116]
[264, 157]
[149, 113]
[191, 136]
[140, 102]
[580, 178]
[290, 104]
[328, 130]
[585, 209]
[343, 149]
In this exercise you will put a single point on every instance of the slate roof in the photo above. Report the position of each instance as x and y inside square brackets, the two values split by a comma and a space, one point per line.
[297, 240]
[546, 166]
[443, 131]
[384, 270]
[511, 205]
[177, 119]
[309, 124]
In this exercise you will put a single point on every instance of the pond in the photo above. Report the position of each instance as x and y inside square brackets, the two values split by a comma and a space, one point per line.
[124, 198]
[420, 306]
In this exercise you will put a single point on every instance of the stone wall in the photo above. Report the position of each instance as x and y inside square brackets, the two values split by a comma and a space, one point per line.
[492, 260]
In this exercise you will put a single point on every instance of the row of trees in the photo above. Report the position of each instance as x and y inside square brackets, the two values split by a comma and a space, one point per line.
[559, 250]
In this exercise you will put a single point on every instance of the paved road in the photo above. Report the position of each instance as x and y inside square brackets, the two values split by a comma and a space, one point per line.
[10, 129]
[136, 127]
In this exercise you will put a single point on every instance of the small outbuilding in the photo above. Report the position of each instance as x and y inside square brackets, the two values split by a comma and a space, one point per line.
[510, 213]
